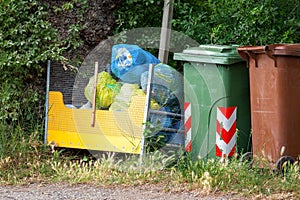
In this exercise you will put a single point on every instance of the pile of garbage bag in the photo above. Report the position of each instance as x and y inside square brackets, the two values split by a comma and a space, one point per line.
[130, 65]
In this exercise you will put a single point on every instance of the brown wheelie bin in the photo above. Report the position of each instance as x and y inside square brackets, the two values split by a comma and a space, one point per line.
[274, 72]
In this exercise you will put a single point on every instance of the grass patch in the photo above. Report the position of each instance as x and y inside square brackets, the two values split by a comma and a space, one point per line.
[23, 159]
[22, 156]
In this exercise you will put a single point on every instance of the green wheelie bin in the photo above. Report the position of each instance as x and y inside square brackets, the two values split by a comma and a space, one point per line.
[217, 105]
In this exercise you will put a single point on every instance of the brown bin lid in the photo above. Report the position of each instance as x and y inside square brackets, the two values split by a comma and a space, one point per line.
[273, 49]
[285, 49]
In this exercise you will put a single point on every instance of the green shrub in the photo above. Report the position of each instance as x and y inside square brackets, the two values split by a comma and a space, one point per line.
[192, 19]
[27, 40]
[254, 22]
[139, 13]
[222, 22]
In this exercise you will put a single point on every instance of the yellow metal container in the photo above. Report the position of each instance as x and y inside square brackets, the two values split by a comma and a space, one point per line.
[117, 131]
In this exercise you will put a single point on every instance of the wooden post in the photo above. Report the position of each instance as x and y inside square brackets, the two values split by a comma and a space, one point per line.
[95, 95]
[165, 31]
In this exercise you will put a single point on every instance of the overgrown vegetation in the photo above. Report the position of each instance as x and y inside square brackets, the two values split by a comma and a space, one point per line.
[22, 157]
[139, 13]
[27, 40]
[222, 22]
[254, 23]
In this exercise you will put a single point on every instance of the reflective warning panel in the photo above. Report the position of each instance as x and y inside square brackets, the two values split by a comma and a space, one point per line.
[226, 131]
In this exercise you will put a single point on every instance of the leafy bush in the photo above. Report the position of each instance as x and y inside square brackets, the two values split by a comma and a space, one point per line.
[254, 22]
[20, 104]
[192, 19]
[27, 40]
[224, 21]
[139, 13]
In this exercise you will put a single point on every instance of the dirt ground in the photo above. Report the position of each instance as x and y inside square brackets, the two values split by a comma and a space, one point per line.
[90, 192]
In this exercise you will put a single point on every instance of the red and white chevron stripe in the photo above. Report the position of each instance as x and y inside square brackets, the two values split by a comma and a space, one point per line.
[188, 126]
[226, 131]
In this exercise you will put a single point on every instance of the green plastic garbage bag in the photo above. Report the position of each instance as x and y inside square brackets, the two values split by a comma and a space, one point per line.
[107, 89]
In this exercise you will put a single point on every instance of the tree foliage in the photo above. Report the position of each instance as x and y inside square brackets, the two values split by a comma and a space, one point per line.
[139, 13]
[254, 22]
[26, 42]
[242, 22]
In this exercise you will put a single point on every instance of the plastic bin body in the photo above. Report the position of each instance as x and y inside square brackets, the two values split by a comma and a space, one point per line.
[275, 99]
[216, 79]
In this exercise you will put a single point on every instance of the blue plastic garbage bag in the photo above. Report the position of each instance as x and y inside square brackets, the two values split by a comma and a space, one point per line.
[167, 91]
[128, 62]
[167, 84]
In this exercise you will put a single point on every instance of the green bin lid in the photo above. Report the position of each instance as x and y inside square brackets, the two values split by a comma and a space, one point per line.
[218, 54]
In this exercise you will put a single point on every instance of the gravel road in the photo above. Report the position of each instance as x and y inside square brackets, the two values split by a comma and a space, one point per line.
[90, 192]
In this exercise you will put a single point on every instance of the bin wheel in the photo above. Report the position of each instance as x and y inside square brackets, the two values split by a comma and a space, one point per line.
[247, 158]
[284, 163]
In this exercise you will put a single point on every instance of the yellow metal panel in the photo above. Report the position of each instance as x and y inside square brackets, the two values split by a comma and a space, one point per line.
[118, 131]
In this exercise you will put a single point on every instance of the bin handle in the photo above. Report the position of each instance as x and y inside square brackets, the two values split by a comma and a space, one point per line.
[251, 48]
[250, 57]
[270, 53]
[248, 52]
